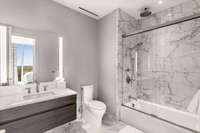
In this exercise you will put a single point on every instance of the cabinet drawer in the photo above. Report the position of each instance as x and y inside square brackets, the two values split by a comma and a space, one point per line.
[14, 114]
[42, 122]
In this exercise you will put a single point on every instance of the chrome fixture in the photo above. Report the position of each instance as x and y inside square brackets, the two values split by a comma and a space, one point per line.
[131, 97]
[28, 90]
[45, 87]
[138, 45]
[37, 86]
[129, 79]
[166, 24]
[146, 12]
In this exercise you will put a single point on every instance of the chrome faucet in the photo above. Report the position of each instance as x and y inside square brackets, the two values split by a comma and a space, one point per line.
[37, 86]
[28, 90]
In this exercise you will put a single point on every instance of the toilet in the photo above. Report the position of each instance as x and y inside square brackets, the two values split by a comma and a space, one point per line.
[93, 110]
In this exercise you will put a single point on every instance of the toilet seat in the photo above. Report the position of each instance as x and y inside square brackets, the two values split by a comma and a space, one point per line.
[97, 105]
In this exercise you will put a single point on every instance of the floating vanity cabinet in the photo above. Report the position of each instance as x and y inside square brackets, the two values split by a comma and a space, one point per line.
[39, 117]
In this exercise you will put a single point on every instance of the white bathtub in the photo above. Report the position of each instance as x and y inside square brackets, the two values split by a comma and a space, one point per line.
[171, 115]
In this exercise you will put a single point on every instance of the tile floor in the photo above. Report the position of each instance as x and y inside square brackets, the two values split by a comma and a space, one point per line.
[109, 126]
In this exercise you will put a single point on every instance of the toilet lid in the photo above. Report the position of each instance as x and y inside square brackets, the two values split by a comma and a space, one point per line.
[97, 105]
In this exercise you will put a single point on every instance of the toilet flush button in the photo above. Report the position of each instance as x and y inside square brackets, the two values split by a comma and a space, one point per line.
[3, 131]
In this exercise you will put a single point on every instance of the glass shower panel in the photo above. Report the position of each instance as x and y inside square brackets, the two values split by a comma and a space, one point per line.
[161, 73]
[139, 80]
[163, 66]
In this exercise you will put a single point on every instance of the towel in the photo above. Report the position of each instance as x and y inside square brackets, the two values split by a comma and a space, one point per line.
[194, 106]
[2, 131]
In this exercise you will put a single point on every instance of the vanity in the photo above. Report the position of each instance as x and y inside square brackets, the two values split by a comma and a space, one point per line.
[33, 97]
[37, 113]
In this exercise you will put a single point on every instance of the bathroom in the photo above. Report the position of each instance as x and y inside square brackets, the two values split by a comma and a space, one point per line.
[91, 66]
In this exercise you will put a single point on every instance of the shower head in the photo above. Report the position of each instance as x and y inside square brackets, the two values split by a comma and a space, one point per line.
[145, 12]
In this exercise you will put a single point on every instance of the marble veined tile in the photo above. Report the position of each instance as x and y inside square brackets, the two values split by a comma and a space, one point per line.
[110, 125]
[168, 64]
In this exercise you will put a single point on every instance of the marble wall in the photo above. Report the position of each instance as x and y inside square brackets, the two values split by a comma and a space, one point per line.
[168, 68]
[125, 24]
[185, 9]
[168, 64]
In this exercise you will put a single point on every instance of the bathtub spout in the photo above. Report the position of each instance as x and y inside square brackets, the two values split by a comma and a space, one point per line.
[131, 97]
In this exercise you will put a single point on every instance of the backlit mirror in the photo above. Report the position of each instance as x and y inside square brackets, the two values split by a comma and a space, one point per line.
[27, 55]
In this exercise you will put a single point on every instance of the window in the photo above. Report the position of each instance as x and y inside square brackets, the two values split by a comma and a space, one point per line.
[24, 59]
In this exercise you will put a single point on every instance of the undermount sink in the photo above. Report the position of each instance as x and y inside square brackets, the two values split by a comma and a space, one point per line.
[37, 112]
[39, 95]
[12, 101]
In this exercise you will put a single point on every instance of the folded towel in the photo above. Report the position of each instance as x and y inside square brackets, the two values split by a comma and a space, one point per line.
[194, 106]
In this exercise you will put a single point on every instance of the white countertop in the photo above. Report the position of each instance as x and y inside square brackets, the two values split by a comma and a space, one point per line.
[17, 100]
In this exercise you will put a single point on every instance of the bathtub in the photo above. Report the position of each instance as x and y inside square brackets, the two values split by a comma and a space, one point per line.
[177, 118]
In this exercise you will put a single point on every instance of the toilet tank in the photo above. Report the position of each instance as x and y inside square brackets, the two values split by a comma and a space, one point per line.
[87, 93]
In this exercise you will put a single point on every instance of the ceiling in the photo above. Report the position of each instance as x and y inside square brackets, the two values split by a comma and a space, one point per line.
[104, 7]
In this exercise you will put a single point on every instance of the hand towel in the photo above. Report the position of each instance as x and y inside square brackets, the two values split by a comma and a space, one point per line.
[194, 106]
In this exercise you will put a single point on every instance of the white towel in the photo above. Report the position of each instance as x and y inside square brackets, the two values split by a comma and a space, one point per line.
[2, 131]
[194, 106]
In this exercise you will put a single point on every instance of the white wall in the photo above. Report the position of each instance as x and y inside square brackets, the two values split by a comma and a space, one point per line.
[107, 33]
[79, 32]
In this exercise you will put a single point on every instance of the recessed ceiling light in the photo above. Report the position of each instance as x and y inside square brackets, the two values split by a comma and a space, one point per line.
[160, 2]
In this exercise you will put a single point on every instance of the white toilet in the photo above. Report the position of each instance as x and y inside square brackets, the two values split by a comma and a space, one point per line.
[93, 110]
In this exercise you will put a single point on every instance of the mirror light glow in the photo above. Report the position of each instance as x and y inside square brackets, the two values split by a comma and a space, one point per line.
[3, 54]
[22, 40]
[60, 76]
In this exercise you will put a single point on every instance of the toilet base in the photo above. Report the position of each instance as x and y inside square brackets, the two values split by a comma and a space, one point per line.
[91, 129]
[92, 118]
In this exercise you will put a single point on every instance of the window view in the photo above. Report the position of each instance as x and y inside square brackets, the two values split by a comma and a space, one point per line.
[24, 56]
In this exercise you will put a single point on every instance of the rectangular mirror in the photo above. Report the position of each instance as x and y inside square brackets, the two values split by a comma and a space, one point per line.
[27, 55]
